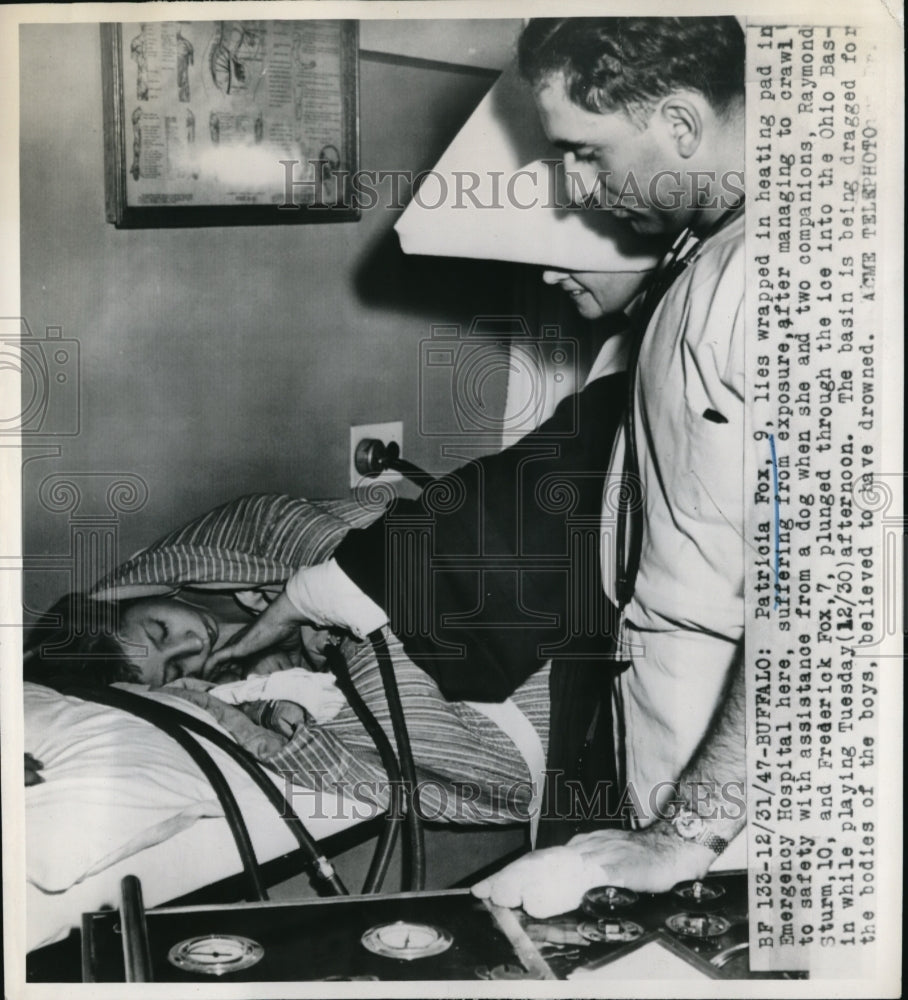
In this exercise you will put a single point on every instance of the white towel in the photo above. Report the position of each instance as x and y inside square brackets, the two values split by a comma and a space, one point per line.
[317, 693]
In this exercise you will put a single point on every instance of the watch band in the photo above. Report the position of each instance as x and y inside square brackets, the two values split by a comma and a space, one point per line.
[714, 842]
[691, 827]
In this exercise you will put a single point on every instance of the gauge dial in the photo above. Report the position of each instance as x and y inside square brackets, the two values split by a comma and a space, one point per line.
[698, 925]
[698, 892]
[215, 954]
[406, 940]
[601, 901]
[610, 930]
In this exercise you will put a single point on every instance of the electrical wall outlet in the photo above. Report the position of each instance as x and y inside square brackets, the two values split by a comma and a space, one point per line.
[386, 433]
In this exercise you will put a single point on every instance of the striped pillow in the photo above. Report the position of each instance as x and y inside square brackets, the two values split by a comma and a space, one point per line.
[253, 541]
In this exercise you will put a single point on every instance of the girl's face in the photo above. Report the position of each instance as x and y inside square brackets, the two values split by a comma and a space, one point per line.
[165, 639]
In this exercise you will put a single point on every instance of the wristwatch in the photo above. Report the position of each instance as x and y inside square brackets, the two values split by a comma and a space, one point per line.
[691, 827]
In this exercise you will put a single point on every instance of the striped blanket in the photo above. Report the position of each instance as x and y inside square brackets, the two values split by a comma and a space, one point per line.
[254, 541]
[469, 770]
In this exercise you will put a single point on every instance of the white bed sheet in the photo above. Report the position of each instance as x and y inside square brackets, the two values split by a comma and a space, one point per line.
[196, 857]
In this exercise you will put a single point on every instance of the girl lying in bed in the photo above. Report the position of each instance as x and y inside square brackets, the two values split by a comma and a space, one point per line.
[280, 706]
[542, 494]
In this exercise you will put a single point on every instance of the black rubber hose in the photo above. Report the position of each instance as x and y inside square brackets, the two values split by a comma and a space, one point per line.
[173, 728]
[413, 472]
[322, 870]
[416, 879]
[389, 458]
[384, 849]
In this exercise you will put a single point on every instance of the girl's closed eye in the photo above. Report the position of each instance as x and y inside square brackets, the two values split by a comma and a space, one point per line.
[176, 638]
[157, 631]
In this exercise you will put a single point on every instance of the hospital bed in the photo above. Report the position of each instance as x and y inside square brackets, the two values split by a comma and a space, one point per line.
[119, 796]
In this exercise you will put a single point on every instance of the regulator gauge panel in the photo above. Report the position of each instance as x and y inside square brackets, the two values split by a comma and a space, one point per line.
[215, 954]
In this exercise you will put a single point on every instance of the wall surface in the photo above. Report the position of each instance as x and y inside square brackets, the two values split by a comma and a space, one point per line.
[216, 362]
[489, 43]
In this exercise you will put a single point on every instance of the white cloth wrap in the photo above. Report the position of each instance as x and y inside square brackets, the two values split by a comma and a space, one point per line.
[324, 595]
[316, 693]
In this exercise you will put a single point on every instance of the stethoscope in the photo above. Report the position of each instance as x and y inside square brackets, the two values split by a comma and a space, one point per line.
[629, 529]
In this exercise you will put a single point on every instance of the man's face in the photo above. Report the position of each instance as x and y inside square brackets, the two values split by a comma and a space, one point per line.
[595, 293]
[635, 173]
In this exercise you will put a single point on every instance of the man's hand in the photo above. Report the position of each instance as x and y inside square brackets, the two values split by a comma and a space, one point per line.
[316, 642]
[544, 882]
[274, 660]
[276, 625]
[650, 860]
[554, 880]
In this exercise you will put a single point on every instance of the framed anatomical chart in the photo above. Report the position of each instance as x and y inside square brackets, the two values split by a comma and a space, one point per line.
[230, 122]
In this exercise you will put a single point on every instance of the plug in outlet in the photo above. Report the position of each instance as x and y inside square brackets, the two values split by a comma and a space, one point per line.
[386, 433]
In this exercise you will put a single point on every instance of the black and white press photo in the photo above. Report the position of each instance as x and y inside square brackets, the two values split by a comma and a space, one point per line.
[453, 502]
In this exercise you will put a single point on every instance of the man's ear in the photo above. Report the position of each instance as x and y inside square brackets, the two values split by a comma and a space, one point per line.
[683, 119]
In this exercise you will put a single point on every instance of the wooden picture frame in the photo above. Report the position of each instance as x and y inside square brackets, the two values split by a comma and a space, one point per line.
[226, 123]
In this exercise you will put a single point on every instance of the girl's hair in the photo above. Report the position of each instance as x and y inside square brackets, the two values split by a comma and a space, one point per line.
[75, 643]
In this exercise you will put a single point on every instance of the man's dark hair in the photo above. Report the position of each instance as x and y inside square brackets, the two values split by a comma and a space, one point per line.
[75, 642]
[630, 63]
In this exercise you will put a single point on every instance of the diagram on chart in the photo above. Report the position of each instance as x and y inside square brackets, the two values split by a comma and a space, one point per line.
[219, 106]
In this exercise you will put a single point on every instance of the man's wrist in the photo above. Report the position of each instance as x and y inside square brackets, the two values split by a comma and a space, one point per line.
[697, 815]
[285, 609]
[688, 860]
[692, 828]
